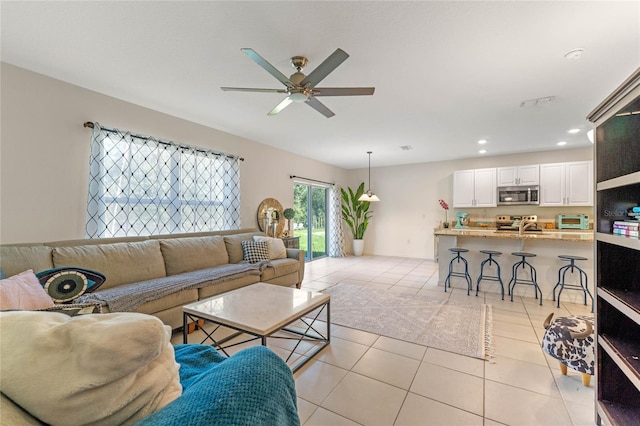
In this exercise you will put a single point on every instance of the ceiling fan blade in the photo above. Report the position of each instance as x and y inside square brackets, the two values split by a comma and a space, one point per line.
[267, 66]
[282, 105]
[323, 70]
[249, 89]
[343, 91]
[319, 106]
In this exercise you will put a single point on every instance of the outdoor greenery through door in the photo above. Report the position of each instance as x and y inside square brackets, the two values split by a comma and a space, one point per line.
[310, 221]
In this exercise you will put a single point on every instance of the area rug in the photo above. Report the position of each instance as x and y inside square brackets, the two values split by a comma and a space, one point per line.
[464, 329]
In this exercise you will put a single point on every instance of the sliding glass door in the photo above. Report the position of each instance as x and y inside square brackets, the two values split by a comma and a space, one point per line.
[310, 221]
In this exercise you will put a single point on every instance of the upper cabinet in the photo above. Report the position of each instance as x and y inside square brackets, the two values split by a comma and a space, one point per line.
[474, 188]
[566, 184]
[519, 175]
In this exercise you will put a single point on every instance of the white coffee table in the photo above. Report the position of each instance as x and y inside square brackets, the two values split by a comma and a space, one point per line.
[262, 310]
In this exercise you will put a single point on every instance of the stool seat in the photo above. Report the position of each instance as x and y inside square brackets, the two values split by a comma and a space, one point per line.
[523, 254]
[493, 252]
[571, 257]
[458, 250]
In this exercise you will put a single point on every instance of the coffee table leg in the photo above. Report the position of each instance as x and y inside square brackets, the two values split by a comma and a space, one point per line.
[184, 328]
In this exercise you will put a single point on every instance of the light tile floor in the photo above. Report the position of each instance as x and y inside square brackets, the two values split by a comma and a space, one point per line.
[362, 378]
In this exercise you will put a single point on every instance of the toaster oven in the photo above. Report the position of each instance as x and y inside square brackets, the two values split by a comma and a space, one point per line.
[573, 221]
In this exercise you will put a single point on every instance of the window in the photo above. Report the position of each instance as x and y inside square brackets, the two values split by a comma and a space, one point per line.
[144, 186]
[310, 205]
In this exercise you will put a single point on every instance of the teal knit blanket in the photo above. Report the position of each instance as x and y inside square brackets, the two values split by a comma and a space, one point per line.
[252, 387]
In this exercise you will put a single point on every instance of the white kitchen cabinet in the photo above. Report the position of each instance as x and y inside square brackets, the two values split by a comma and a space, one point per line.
[566, 184]
[474, 188]
[519, 175]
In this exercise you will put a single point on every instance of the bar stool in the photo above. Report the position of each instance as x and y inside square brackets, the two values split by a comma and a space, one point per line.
[482, 276]
[452, 273]
[584, 287]
[514, 274]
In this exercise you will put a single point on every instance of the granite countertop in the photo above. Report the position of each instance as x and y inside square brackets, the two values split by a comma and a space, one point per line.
[546, 234]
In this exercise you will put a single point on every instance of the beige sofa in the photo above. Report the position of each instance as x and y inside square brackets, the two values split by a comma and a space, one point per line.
[127, 261]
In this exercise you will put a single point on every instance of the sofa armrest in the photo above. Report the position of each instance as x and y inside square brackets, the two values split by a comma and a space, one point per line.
[299, 255]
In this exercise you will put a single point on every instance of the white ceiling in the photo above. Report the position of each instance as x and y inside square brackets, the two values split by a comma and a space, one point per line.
[446, 73]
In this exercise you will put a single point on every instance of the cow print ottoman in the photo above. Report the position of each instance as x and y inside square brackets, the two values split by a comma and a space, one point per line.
[570, 340]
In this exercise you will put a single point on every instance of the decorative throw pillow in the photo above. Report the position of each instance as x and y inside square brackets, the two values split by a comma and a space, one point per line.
[23, 292]
[276, 247]
[108, 369]
[68, 283]
[255, 251]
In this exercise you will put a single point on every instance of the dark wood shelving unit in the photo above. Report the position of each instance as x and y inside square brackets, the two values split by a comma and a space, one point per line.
[617, 165]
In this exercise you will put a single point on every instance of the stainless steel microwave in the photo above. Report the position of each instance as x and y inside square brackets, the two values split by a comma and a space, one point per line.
[513, 195]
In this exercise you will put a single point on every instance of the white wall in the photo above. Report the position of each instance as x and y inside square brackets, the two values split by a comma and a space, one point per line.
[404, 220]
[44, 155]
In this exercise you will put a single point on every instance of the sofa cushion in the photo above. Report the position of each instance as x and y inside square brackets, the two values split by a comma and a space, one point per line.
[277, 250]
[87, 369]
[190, 254]
[16, 259]
[278, 268]
[23, 292]
[121, 263]
[234, 247]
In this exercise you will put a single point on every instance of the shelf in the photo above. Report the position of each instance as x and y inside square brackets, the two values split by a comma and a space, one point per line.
[617, 268]
[625, 180]
[627, 302]
[619, 240]
[626, 355]
[617, 414]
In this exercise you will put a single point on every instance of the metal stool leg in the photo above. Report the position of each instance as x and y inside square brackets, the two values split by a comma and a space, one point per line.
[497, 278]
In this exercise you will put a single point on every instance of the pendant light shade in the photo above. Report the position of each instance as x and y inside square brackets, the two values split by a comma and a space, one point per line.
[369, 196]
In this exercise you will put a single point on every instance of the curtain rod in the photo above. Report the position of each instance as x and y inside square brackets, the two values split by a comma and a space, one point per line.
[146, 138]
[312, 180]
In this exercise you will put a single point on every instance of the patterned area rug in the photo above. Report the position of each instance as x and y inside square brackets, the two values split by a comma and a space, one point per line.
[464, 329]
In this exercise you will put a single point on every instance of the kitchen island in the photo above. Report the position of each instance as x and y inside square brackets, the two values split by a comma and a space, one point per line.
[547, 245]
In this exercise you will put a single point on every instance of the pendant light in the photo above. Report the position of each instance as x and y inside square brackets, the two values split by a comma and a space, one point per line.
[369, 196]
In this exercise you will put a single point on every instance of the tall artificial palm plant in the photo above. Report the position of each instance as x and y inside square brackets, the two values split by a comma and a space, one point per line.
[355, 212]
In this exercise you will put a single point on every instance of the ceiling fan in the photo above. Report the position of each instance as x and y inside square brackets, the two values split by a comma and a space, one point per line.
[302, 88]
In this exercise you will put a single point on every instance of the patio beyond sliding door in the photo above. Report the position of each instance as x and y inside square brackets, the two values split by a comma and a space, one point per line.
[310, 221]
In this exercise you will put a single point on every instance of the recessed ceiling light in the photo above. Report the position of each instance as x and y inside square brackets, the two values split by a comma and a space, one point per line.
[483, 151]
[573, 131]
[482, 141]
[574, 54]
[561, 143]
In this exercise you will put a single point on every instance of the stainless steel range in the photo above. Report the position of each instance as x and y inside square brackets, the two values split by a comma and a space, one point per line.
[524, 223]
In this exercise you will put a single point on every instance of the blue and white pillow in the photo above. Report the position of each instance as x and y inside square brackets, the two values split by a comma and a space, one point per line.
[66, 284]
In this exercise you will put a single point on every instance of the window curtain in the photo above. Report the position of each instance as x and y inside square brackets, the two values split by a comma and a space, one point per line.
[141, 185]
[336, 230]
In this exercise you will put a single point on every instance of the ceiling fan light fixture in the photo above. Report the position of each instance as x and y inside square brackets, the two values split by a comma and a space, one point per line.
[299, 96]
[369, 196]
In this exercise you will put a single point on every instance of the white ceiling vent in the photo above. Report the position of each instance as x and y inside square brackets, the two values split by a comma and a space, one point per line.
[537, 102]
